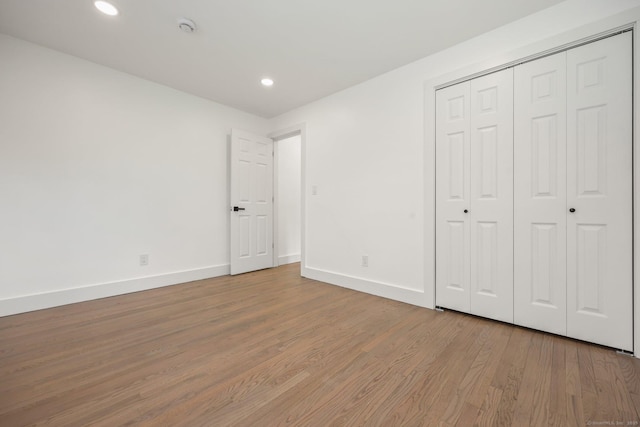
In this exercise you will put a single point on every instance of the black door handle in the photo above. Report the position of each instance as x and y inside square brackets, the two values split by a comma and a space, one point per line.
[236, 209]
[466, 211]
[572, 210]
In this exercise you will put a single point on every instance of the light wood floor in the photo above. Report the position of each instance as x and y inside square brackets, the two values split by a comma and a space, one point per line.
[270, 348]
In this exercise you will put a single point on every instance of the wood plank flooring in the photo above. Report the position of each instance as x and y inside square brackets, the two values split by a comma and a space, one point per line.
[271, 348]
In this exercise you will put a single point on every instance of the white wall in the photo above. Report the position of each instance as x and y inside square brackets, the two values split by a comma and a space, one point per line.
[288, 199]
[364, 156]
[368, 153]
[98, 167]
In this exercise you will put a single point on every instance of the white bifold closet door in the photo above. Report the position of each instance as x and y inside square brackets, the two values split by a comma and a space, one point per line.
[540, 194]
[599, 188]
[573, 153]
[474, 196]
[453, 198]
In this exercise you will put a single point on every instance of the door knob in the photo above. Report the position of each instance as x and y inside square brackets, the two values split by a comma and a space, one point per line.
[236, 209]
[572, 210]
[466, 211]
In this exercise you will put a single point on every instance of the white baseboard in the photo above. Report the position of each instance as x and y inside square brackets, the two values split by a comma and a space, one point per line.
[397, 293]
[26, 303]
[23, 304]
[288, 259]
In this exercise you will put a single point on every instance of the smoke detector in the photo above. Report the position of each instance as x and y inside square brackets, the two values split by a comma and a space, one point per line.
[186, 25]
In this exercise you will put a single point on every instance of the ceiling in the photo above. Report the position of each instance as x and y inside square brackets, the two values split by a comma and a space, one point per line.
[310, 48]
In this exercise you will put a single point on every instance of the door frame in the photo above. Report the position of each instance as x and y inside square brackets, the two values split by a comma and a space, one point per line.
[626, 20]
[278, 135]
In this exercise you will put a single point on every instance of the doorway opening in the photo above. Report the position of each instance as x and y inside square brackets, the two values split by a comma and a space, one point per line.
[287, 206]
[289, 192]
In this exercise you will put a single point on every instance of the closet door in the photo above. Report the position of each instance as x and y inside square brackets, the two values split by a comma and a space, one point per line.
[452, 197]
[474, 196]
[491, 201]
[540, 194]
[599, 192]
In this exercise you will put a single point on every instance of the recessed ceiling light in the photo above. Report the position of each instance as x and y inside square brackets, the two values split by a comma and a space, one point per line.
[266, 82]
[106, 8]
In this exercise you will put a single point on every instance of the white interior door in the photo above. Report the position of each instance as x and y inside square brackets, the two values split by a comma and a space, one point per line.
[540, 194]
[251, 196]
[491, 201]
[452, 197]
[599, 192]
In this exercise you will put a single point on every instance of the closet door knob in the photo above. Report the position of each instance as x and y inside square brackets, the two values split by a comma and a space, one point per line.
[466, 211]
[572, 210]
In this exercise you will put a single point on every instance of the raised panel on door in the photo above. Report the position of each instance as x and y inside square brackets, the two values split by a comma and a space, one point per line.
[540, 194]
[251, 191]
[452, 197]
[599, 179]
[491, 200]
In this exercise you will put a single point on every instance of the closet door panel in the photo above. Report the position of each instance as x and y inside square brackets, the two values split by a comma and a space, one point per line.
[540, 194]
[599, 179]
[491, 200]
[452, 197]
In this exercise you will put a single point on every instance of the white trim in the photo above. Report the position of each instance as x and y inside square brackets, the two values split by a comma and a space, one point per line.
[385, 290]
[276, 212]
[287, 132]
[538, 55]
[299, 129]
[581, 35]
[636, 188]
[624, 20]
[288, 259]
[25, 303]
